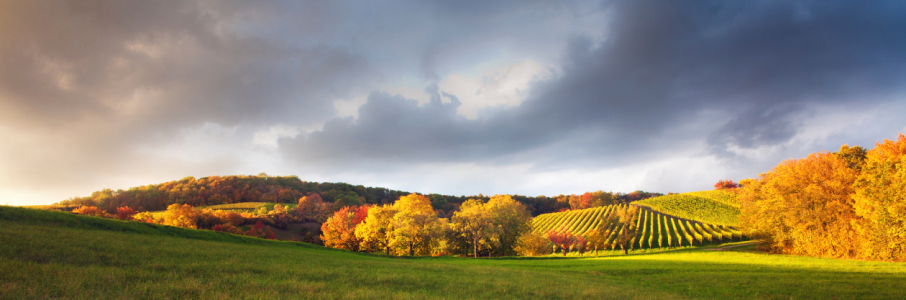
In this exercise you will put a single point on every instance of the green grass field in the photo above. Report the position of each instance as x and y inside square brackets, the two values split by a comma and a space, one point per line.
[46, 254]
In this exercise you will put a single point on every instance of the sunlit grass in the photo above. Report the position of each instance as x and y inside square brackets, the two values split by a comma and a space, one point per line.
[57, 255]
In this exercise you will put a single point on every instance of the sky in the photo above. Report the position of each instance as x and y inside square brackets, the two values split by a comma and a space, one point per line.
[451, 97]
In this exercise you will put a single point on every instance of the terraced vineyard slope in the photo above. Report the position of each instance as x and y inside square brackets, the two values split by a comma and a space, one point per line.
[657, 230]
[711, 207]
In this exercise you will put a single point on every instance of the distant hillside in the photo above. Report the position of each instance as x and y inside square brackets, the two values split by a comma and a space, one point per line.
[717, 207]
[217, 190]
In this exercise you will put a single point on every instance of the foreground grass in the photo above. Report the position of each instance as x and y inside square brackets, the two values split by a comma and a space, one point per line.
[57, 255]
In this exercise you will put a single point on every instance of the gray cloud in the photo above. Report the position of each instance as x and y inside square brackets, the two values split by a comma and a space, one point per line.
[88, 89]
[761, 65]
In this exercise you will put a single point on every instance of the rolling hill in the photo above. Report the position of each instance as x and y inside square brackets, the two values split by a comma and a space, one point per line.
[45, 254]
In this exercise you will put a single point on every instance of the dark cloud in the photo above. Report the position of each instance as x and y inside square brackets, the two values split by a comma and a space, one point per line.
[662, 66]
[110, 89]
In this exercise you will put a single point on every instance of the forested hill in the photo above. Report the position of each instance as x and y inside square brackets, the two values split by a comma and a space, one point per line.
[216, 190]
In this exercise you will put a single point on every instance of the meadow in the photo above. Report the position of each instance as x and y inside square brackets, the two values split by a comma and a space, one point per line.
[46, 254]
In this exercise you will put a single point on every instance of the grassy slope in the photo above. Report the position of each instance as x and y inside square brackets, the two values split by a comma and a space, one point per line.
[57, 255]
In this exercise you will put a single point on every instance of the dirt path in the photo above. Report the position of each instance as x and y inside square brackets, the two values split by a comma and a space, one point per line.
[734, 246]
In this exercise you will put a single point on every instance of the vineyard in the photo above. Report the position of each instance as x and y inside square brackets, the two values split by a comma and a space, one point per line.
[711, 207]
[657, 230]
[247, 206]
[723, 196]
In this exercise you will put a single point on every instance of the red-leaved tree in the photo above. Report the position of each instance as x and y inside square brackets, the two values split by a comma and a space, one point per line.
[339, 230]
[562, 238]
[725, 184]
[125, 213]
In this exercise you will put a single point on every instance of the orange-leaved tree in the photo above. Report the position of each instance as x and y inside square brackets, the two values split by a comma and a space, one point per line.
[339, 230]
[803, 206]
[90, 211]
[880, 201]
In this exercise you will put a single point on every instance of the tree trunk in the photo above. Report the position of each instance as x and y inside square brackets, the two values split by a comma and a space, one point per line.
[625, 248]
[387, 250]
[411, 253]
[475, 247]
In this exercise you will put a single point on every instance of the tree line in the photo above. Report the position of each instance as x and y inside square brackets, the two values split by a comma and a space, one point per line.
[215, 190]
[499, 226]
[845, 204]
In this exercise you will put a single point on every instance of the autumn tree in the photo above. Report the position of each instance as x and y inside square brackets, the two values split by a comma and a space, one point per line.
[725, 184]
[590, 199]
[339, 230]
[880, 200]
[803, 206]
[562, 238]
[532, 243]
[90, 211]
[415, 224]
[312, 207]
[853, 156]
[599, 239]
[125, 213]
[146, 217]
[376, 231]
[510, 220]
[181, 216]
[473, 222]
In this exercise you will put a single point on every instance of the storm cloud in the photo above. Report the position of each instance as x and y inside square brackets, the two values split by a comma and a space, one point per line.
[663, 65]
[562, 97]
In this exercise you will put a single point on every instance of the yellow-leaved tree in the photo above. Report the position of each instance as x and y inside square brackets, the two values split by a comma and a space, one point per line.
[181, 216]
[510, 220]
[880, 201]
[416, 226]
[804, 206]
[376, 232]
[533, 243]
[473, 222]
